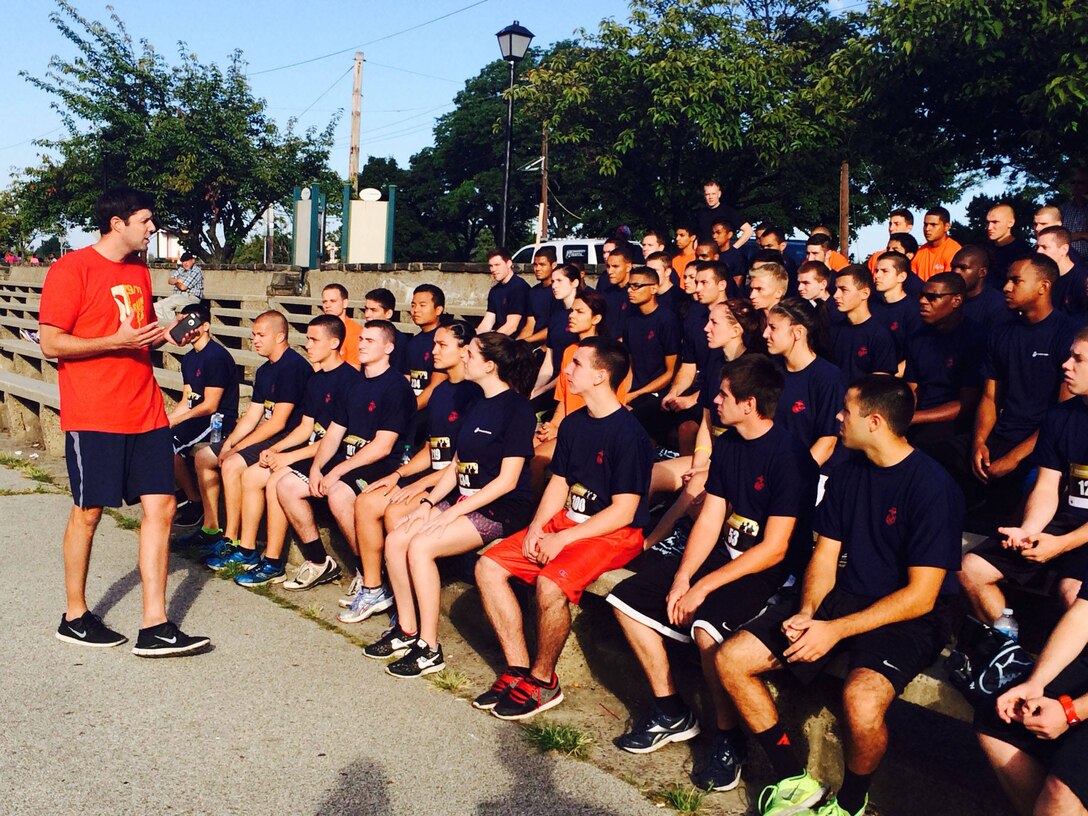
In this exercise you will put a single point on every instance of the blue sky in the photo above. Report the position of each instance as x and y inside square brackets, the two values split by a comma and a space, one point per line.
[409, 79]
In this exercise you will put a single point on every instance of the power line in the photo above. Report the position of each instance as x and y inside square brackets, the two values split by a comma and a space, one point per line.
[304, 112]
[414, 73]
[32, 138]
[370, 42]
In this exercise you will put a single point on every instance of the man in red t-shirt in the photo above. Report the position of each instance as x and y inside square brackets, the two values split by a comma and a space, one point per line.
[96, 318]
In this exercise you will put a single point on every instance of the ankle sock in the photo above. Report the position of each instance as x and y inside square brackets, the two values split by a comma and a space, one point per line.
[211, 530]
[276, 562]
[852, 794]
[776, 744]
[313, 551]
[671, 705]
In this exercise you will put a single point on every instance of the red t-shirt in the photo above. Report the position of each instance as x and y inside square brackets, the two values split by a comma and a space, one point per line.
[87, 295]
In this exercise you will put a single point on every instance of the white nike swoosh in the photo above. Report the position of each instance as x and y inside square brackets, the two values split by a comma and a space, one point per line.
[77, 633]
[481, 430]
[890, 666]
[167, 640]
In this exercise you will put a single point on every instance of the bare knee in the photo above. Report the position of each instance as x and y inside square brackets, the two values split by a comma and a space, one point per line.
[158, 509]
[290, 489]
[866, 696]
[548, 593]
[1057, 798]
[488, 571]
[255, 477]
[87, 517]
[977, 572]
[742, 656]
[1068, 590]
[705, 641]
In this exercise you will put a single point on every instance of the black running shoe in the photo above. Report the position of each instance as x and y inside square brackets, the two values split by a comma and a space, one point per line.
[657, 731]
[722, 770]
[490, 698]
[189, 514]
[88, 630]
[527, 699]
[420, 660]
[392, 643]
[166, 640]
[202, 544]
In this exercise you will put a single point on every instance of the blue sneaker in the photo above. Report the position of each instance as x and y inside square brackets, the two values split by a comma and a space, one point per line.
[368, 602]
[234, 555]
[264, 573]
[199, 541]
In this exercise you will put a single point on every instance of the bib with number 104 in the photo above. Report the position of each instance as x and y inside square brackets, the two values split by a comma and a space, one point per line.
[468, 477]
[354, 444]
[1078, 486]
[740, 534]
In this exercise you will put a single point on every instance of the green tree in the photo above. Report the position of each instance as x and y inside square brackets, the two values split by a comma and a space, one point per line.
[192, 134]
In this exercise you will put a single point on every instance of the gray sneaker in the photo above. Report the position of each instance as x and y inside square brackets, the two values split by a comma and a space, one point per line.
[368, 602]
[310, 575]
[356, 585]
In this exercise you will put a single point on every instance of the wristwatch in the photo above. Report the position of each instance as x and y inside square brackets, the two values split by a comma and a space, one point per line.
[1070, 710]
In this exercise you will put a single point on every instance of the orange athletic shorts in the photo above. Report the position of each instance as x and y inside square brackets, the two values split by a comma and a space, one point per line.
[578, 565]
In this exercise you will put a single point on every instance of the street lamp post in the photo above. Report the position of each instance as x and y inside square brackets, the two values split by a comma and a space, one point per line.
[513, 43]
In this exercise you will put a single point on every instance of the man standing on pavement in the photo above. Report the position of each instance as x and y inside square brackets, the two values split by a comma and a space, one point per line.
[96, 320]
[188, 283]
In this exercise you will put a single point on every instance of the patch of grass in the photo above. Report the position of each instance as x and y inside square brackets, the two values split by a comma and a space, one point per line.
[313, 612]
[27, 467]
[230, 571]
[39, 490]
[563, 739]
[450, 680]
[681, 798]
[125, 522]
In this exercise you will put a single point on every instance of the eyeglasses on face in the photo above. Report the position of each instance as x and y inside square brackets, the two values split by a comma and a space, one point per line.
[637, 286]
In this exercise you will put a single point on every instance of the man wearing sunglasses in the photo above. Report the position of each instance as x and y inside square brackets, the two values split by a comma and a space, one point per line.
[652, 336]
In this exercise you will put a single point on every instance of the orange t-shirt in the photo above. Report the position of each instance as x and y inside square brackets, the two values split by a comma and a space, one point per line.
[874, 258]
[87, 295]
[572, 402]
[349, 349]
[680, 263]
[929, 261]
[836, 260]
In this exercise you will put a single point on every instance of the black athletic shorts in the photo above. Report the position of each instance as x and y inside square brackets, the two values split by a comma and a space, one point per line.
[108, 469]
[252, 453]
[190, 433]
[899, 651]
[642, 597]
[1064, 757]
[1014, 567]
[357, 478]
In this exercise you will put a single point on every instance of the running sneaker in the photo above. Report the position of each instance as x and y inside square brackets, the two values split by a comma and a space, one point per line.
[188, 514]
[832, 808]
[88, 630]
[490, 698]
[310, 574]
[201, 542]
[657, 730]
[368, 602]
[793, 795]
[166, 640]
[246, 559]
[722, 769]
[675, 542]
[420, 660]
[392, 643]
[264, 573]
[528, 698]
[354, 588]
[663, 454]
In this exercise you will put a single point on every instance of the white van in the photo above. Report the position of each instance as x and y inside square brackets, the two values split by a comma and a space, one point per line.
[585, 251]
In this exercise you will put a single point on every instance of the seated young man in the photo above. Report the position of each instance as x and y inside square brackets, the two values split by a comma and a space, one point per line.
[275, 409]
[759, 495]
[381, 304]
[361, 445]
[541, 300]
[859, 344]
[327, 388]
[589, 521]
[211, 386]
[1054, 528]
[652, 336]
[877, 588]
[428, 307]
[1034, 737]
[507, 299]
[892, 307]
[767, 285]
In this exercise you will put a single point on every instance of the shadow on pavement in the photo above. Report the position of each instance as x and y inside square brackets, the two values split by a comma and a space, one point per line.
[195, 576]
[363, 788]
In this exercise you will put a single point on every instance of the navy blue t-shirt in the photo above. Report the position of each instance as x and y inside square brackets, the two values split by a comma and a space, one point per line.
[324, 392]
[865, 348]
[602, 458]
[419, 354]
[1070, 292]
[810, 401]
[381, 403]
[733, 259]
[710, 383]
[987, 310]
[399, 358]
[617, 308]
[1063, 446]
[497, 428]
[674, 300]
[913, 286]
[772, 475]
[450, 403]
[650, 338]
[694, 348]
[890, 519]
[283, 381]
[541, 305]
[1027, 359]
[510, 298]
[901, 318]
[212, 367]
[1002, 257]
[943, 363]
[559, 336]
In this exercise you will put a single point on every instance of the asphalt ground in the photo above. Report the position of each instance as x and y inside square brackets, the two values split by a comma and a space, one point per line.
[281, 716]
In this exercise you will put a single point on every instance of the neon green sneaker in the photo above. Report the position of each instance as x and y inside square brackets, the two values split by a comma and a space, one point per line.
[832, 808]
[792, 796]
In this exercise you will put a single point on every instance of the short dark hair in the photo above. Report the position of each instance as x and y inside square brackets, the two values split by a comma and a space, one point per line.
[977, 251]
[332, 325]
[203, 310]
[339, 287]
[645, 272]
[687, 226]
[908, 241]
[1064, 236]
[819, 268]
[277, 319]
[776, 231]
[659, 256]
[185, 256]
[712, 182]
[660, 238]
[501, 252]
[941, 213]
[859, 273]
[120, 202]
[888, 396]
[611, 356]
[546, 252]
[724, 222]
[623, 250]
[950, 281]
[901, 261]
[436, 293]
[905, 214]
[385, 327]
[1042, 266]
[384, 298]
[818, 239]
[716, 268]
[755, 376]
[765, 256]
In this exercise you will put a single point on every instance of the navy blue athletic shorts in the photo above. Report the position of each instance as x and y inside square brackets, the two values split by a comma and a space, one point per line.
[106, 469]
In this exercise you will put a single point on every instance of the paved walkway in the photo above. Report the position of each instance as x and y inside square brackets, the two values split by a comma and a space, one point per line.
[282, 717]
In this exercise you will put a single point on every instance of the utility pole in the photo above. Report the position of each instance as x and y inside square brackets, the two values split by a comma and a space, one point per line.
[269, 226]
[356, 116]
[844, 209]
[542, 230]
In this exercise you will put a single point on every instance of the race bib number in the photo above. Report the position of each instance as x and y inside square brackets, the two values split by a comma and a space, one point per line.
[468, 477]
[269, 406]
[318, 433]
[419, 380]
[441, 452]
[1078, 486]
[740, 534]
[582, 502]
[354, 444]
[717, 430]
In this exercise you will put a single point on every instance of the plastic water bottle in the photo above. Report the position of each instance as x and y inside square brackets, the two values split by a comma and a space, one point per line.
[217, 429]
[406, 453]
[1007, 624]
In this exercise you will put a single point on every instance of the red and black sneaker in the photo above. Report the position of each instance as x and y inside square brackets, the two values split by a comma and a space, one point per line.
[528, 698]
[508, 679]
